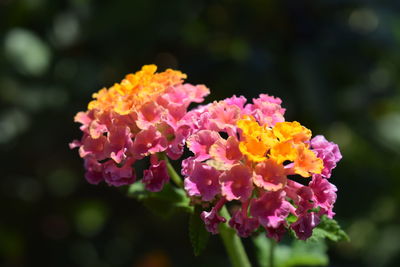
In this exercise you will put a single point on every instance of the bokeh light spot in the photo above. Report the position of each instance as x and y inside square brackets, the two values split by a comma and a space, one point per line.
[27, 52]
[62, 182]
[363, 20]
[90, 218]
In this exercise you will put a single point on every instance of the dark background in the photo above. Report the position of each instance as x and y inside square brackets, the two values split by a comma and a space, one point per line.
[334, 63]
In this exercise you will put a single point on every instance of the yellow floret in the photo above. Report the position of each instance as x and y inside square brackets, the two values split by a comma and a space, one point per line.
[135, 90]
[286, 141]
[257, 139]
[291, 131]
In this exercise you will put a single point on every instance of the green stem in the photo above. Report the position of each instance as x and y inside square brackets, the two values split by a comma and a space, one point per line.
[174, 176]
[272, 244]
[172, 173]
[233, 243]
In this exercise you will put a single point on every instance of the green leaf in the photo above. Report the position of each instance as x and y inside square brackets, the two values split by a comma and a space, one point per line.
[163, 203]
[197, 232]
[298, 253]
[329, 228]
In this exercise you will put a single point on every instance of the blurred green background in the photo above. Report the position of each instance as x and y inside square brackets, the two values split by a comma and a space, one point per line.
[334, 63]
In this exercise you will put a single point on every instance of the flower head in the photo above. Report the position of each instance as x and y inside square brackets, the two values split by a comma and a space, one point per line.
[143, 115]
[247, 153]
[244, 154]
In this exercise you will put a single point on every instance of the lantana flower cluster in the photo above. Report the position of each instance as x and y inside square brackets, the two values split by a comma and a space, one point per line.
[142, 116]
[271, 173]
[247, 154]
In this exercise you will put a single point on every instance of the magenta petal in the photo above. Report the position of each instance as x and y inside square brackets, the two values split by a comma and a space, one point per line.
[119, 175]
[94, 169]
[236, 183]
[119, 141]
[198, 118]
[212, 220]
[188, 166]
[305, 200]
[74, 144]
[147, 142]
[237, 101]
[198, 92]
[223, 117]
[276, 233]
[175, 151]
[156, 176]
[266, 109]
[184, 94]
[327, 151]
[271, 209]
[324, 194]
[243, 224]
[202, 182]
[305, 225]
[176, 146]
[96, 129]
[93, 147]
[200, 143]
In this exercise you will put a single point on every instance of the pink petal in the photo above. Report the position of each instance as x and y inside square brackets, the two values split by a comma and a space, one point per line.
[271, 209]
[305, 225]
[202, 182]
[236, 183]
[327, 151]
[270, 175]
[149, 114]
[119, 175]
[200, 143]
[93, 169]
[93, 147]
[243, 224]
[226, 151]
[212, 220]
[156, 176]
[119, 141]
[324, 194]
[147, 142]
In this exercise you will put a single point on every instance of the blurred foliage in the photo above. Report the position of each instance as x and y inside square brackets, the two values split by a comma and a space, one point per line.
[295, 253]
[165, 203]
[334, 63]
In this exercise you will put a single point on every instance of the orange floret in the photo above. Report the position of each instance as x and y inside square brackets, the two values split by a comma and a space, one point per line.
[135, 90]
[254, 149]
[307, 162]
[286, 141]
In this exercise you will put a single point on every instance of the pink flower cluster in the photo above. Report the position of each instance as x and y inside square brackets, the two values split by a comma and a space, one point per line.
[243, 153]
[219, 172]
[155, 121]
